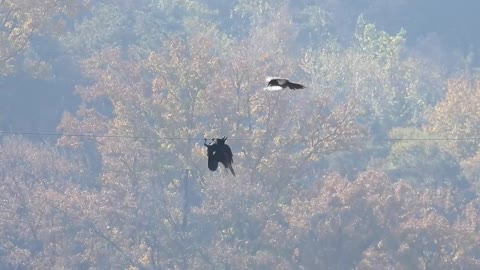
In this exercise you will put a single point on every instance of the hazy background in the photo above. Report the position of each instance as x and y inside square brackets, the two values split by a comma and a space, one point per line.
[375, 165]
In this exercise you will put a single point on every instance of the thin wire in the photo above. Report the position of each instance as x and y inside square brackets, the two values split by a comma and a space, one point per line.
[70, 135]
[108, 136]
[352, 137]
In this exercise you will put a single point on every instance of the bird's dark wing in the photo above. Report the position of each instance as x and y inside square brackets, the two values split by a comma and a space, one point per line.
[225, 156]
[212, 163]
[221, 156]
[228, 152]
[212, 149]
[294, 86]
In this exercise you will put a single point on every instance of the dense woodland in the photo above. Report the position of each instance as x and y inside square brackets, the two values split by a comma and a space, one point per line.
[376, 165]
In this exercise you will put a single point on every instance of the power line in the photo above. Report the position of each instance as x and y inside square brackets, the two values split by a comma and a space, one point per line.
[110, 136]
[351, 137]
[426, 139]
[67, 135]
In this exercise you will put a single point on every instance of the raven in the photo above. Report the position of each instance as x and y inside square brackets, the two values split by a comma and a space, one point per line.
[275, 84]
[218, 151]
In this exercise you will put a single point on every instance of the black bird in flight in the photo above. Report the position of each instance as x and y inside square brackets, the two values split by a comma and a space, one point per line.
[275, 84]
[218, 151]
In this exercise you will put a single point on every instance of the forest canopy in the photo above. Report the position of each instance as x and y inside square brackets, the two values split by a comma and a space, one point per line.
[104, 107]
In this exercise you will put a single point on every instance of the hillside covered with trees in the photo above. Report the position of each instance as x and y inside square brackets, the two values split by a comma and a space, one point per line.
[104, 106]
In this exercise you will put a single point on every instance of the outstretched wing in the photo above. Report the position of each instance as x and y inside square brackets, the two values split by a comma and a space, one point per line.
[295, 86]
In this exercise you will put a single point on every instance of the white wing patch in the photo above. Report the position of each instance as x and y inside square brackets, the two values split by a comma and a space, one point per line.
[273, 88]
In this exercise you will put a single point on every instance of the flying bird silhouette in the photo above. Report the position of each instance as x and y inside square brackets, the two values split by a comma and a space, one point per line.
[276, 84]
[218, 151]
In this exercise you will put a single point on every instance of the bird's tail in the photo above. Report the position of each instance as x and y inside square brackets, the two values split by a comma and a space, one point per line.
[231, 169]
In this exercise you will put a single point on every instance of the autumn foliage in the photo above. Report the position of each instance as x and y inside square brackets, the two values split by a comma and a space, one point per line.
[373, 166]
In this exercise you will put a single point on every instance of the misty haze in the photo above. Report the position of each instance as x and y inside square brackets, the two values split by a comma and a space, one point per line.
[353, 134]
